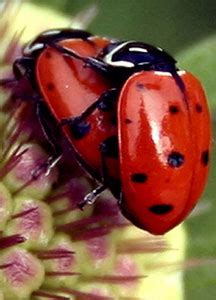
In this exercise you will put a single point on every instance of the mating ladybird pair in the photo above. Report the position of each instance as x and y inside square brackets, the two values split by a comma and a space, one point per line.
[137, 124]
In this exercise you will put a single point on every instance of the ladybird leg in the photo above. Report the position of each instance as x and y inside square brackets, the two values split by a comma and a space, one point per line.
[92, 196]
[108, 148]
[93, 62]
[52, 160]
[23, 67]
[78, 125]
[104, 169]
[4, 82]
[105, 103]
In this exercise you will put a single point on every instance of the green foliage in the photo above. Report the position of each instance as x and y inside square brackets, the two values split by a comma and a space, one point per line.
[200, 59]
[200, 282]
[171, 24]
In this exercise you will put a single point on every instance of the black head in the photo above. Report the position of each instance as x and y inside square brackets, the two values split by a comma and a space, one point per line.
[25, 66]
[127, 57]
[33, 48]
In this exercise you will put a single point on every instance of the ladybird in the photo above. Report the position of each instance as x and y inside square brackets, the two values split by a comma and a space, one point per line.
[69, 89]
[134, 120]
[164, 139]
[115, 62]
[164, 133]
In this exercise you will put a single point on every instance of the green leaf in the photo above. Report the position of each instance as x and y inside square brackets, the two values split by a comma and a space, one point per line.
[200, 282]
[200, 59]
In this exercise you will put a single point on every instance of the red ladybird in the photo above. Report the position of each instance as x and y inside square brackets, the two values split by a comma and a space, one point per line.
[164, 143]
[69, 89]
[136, 123]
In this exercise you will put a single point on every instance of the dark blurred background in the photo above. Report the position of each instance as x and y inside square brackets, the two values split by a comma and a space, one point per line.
[174, 25]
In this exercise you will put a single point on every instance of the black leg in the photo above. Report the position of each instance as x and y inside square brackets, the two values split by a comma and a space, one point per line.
[109, 148]
[5, 82]
[78, 125]
[52, 140]
[92, 62]
[104, 170]
[24, 67]
[92, 196]
[106, 151]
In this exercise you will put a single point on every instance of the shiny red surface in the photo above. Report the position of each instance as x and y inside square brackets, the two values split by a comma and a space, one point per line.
[147, 131]
[153, 133]
[75, 87]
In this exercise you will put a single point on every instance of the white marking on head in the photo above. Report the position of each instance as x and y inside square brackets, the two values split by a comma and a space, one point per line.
[181, 72]
[30, 48]
[51, 32]
[119, 63]
[138, 49]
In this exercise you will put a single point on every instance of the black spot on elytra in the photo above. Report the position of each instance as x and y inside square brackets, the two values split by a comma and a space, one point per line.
[48, 55]
[139, 177]
[140, 86]
[175, 159]
[128, 121]
[161, 209]
[167, 180]
[109, 147]
[198, 108]
[50, 86]
[173, 109]
[205, 157]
